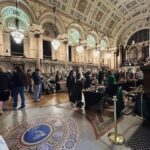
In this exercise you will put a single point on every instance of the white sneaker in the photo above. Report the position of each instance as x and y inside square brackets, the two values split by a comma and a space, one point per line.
[37, 100]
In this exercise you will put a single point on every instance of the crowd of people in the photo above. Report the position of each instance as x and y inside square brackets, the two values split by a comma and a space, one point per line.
[14, 84]
[17, 82]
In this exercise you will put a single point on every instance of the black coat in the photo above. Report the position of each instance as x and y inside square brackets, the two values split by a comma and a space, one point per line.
[71, 82]
[100, 77]
[88, 81]
[76, 94]
[4, 82]
[57, 80]
[19, 79]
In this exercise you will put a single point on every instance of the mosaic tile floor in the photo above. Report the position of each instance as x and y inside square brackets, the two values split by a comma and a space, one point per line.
[44, 132]
[98, 128]
[43, 119]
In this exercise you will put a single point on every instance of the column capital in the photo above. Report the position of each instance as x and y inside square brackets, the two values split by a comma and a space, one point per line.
[37, 29]
[113, 48]
[63, 37]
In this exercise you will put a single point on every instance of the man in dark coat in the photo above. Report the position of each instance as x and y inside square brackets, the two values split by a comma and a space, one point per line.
[70, 84]
[19, 82]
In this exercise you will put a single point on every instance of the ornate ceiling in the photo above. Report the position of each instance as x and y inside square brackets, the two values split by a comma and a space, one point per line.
[113, 18]
[105, 15]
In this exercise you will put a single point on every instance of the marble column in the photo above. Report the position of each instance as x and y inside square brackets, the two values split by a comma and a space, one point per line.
[66, 54]
[36, 43]
[37, 36]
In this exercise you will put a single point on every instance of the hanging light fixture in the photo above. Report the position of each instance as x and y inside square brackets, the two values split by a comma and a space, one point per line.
[96, 51]
[16, 34]
[55, 42]
[108, 55]
[79, 48]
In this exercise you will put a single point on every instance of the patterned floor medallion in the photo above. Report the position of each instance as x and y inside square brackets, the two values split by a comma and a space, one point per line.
[99, 128]
[49, 132]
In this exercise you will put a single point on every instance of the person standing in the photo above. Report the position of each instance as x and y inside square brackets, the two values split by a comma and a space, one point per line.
[29, 81]
[70, 84]
[58, 79]
[37, 85]
[88, 80]
[19, 81]
[78, 90]
[4, 89]
[100, 76]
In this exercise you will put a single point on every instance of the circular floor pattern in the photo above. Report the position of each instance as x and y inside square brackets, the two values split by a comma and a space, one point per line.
[49, 132]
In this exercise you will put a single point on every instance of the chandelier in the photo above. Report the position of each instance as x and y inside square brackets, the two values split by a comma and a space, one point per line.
[108, 55]
[16, 34]
[96, 53]
[79, 48]
[96, 50]
[55, 42]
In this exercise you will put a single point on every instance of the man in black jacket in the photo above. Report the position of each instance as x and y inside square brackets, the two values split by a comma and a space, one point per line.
[19, 82]
[70, 84]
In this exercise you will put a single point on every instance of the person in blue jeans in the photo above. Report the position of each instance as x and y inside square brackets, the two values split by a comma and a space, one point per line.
[19, 82]
[37, 85]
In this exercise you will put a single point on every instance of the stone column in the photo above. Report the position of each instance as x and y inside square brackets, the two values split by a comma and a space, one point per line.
[85, 58]
[37, 36]
[66, 54]
[36, 44]
[112, 58]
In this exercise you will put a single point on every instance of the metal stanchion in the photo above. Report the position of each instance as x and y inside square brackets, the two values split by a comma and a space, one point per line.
[141, 92]
[114, 137]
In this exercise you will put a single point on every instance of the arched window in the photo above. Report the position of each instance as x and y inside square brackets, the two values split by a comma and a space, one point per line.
[91, 42]
[9, 19]
[73, 36]
[9, 16]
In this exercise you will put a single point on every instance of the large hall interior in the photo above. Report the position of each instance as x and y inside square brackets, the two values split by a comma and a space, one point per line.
[74, 74]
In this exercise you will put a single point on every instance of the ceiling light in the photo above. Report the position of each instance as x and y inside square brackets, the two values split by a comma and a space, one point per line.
[96, 53]
[55, 42]
[80, 48]
[108, 55]
[16, 34]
